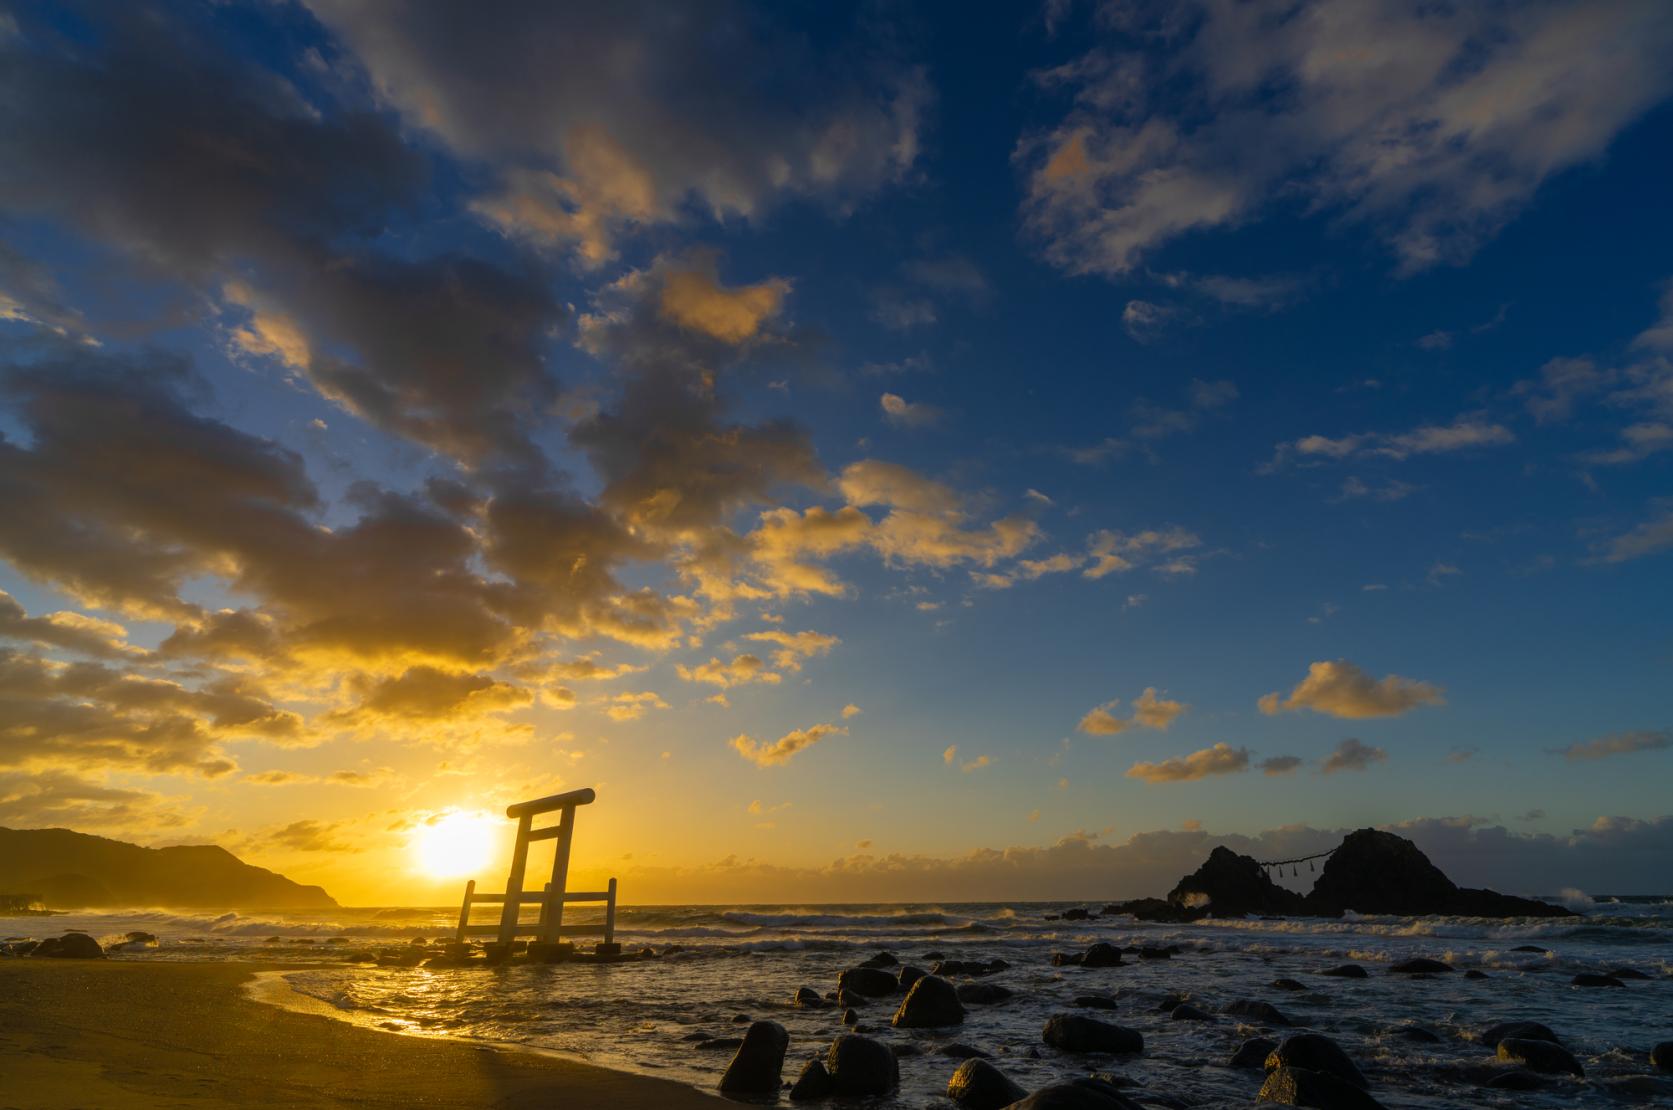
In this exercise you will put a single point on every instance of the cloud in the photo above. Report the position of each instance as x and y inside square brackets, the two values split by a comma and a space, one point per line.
[1145, 321]
[1551, 397]
[742, 670]
[53, 798]
[1462, 434]
[1279, 764]
[632, 706]
[950, 756]
[695, 300]
[1340, 689]
[1111, 552]
[979, 763]
[307, 836]
[603, 121]
[850, 711]
[1650, 537]
[1221, 759]
[1150, 710]
[1620, 743]
[902, 413]
[1100, 721]
[785, 747]
[1659, 336]
[66, 630]
[794, 647]
[1433, 127]
[1351, 755]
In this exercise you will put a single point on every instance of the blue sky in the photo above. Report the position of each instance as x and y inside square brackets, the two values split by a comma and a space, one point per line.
[856, 442]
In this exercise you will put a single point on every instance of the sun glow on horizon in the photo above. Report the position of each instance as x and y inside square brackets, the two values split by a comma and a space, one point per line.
[453, 844]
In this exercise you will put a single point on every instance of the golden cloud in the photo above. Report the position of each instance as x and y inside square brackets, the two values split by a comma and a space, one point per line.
[1340, 689]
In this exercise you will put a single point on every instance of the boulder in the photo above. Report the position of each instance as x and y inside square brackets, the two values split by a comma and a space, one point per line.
[1252, 1053]
[1316, 1053]
[1300, 1087]
[1088, 1093]
[850, 1017]
[968, 967]
[983, 994]
[1065, 959]
[1101, 955]
[931, 1002]
[1587, 979]
[1073, 1033]
[861, 1066]
[1377, 872]
[1263, 1012]
[909, 975]
[70, 946]
[1475, 973]
[138, 937]
[1095, 1001]
[1287, 985]
[807, 999]
[1661, 1056]
[882, 959]
[1630, 973]
[813, 1083]
[1419, 966]
[1520, 1030]
[978, 1085]
[1187, 1012]
[1532, 948]
[1541, 1056]
[871, 982]
[755, 1069]
[1079, 913]
[1346, 971]
[1230, 885]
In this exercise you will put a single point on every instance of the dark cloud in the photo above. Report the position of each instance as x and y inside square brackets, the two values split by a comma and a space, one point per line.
[59, 799]
[1351, 755]
[1621, 743]
[231, 179]
[603, 117]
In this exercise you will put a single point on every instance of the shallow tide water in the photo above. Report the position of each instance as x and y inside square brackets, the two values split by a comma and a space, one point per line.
[646, 1015]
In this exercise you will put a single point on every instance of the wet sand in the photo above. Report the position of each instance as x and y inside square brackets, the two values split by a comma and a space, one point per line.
[77, 1034]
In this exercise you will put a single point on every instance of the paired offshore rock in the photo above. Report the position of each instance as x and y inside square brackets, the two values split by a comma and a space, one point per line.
[931, 1002]
[756, 1068]
[978, 1085]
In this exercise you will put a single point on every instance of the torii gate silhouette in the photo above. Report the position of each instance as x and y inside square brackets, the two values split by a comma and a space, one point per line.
[549, 929]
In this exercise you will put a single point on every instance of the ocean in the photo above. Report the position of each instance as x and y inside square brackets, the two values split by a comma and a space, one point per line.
[721, 964]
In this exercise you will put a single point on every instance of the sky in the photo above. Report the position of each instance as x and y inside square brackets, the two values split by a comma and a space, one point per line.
[887, 455]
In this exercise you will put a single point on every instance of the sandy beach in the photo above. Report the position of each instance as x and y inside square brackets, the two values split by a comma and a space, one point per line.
[81, 1034]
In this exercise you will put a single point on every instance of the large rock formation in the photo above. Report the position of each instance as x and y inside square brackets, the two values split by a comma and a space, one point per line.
[1370, 872]
[1230, 885]
[1378, 872]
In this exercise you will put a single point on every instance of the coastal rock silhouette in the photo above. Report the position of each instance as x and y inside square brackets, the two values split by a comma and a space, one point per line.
[755, 1069]
[1371, 872]
[978, 1085]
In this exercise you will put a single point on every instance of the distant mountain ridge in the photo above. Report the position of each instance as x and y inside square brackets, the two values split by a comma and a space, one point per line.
[71, 870]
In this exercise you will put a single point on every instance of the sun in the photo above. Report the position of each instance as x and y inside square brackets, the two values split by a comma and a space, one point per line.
[453, 844]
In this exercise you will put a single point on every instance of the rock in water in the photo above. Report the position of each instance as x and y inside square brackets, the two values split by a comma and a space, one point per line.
[1187, 1012]
[1419, 966]
[909, 975]
[1264, 1012]
[1313, 1052]
[1661, 1056]
[807, 999]
[1073, 1033]
[1540, 1056]
[1230, 885]
[755, 1069]
[1287, 985]
[1101, 955]
[1521, 1030]
[861, 1066]
[1346, 971]
[882, 959]
[70, 946]
[1518, 1080]
[1300, 1087]
[931, 1002]
[1252, 1053]
[1378, 872]
[868, 981]
[1095, 1001]
[979, 1085]
[813, 1083]
[1089, 1093]
[1587, 979]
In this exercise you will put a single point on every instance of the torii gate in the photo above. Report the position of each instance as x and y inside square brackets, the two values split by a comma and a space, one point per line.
[549, 928]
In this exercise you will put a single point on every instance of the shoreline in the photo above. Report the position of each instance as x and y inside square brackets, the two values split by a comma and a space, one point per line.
[146, 1035]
